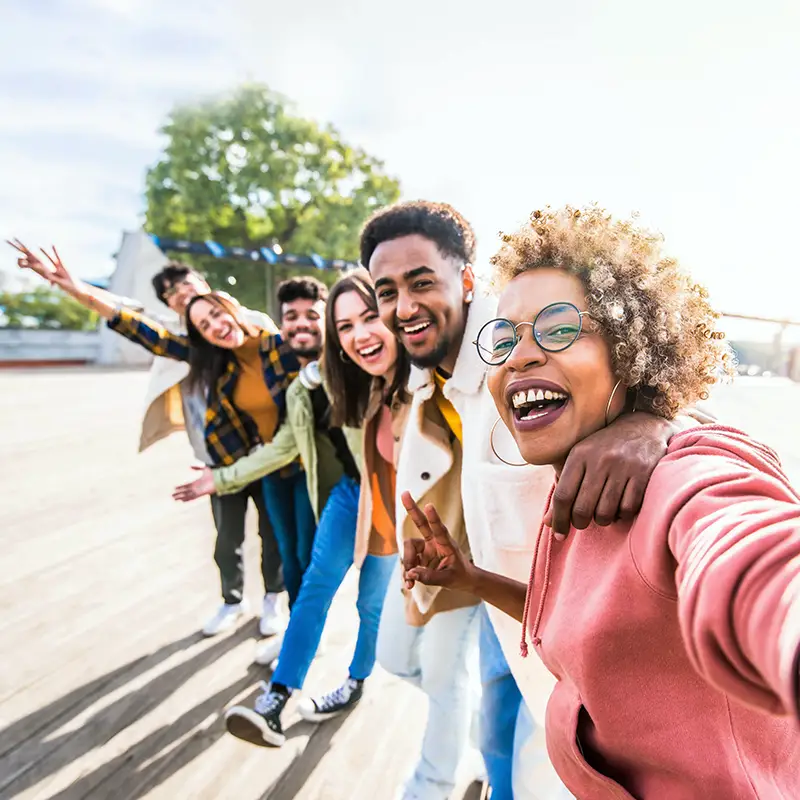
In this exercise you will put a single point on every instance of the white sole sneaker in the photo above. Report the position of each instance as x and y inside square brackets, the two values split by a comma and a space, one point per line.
[243, 723]
[272, 626]
[268, 651]
[308, 711]
[224, 622]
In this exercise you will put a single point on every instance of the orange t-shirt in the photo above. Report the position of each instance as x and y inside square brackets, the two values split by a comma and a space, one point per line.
[382, 540]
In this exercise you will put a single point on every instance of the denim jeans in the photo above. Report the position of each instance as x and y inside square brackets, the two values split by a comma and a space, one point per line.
[331, 558]
[293, 521]
[500, 711]
[436, 658]
[512, 746]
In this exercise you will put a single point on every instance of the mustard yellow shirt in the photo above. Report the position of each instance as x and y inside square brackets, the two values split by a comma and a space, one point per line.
[446, 407]
[251, 394]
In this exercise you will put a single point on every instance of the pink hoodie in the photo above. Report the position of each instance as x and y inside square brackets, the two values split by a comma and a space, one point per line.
[675, 638]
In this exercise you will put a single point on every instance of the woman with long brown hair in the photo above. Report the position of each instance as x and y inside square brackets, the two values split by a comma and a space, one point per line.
[363, 395]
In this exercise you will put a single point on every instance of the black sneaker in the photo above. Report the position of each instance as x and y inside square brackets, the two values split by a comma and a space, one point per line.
[262, 724]
[332, 704]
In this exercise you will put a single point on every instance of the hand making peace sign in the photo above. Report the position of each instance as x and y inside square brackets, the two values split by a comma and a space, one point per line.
[434, 560]
[56, 273]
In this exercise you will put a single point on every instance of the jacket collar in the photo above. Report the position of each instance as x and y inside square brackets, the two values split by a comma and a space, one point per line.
[470, 371]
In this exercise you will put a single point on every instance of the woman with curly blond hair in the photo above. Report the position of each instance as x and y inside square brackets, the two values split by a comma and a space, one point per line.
[674, 637]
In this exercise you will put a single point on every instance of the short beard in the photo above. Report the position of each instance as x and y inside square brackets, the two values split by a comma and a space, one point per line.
[311, 353]
[435, 357]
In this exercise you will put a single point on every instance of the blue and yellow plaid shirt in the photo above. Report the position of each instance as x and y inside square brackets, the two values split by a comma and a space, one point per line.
[230, 432]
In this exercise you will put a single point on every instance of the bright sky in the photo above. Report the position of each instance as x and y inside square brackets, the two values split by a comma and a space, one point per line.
[687, 112]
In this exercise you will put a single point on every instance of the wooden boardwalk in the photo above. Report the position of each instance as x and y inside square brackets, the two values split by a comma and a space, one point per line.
[106, 688]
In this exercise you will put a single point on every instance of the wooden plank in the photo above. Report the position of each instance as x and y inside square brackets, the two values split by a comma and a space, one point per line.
[107, 690]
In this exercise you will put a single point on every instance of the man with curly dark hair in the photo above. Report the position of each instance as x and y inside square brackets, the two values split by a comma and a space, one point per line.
[421, 258]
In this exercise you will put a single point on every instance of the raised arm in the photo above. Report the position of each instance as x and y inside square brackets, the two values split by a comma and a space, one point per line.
[56, 274]
[125, 321]
[734, 531]
[149, 334]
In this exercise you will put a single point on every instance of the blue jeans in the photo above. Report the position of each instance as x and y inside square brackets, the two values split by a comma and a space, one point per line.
[294, 525]
[331, 558]
[501, 703]
[436, 658]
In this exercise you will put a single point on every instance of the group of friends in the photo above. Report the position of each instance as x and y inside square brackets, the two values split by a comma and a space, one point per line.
[594, 582]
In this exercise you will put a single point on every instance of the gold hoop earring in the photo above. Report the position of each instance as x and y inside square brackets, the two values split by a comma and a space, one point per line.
[343, 357]
[497, 455]
[610, 399]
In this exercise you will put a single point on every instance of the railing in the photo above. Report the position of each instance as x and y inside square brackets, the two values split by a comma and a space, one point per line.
[779, 365]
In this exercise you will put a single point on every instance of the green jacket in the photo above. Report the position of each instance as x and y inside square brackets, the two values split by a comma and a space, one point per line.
[296, 437]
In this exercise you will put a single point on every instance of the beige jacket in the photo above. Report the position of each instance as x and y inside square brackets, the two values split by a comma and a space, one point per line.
[429, 467]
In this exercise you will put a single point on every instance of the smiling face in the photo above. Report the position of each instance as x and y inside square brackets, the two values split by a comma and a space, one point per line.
[178, 294]
[365, 340]
[216, 325]
[301, 326]
[421, 297]
[550, 401]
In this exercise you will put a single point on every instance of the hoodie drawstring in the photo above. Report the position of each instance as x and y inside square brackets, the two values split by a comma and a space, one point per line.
[523, 647]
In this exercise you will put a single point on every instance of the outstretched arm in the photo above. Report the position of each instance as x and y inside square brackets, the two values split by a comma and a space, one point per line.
[56, 274]
[264, 460]
[130, 324]
[436, 560]
[731, 522]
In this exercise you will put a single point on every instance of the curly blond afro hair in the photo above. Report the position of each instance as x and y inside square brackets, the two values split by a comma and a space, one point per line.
[657, 321]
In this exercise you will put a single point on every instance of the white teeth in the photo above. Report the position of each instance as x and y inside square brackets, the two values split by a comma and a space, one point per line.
[523, 398]
[417, 328]
[369, 351]
[535, 415]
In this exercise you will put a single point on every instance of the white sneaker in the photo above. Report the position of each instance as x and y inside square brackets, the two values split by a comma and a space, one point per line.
[268, 651]
[274, 617]
[225, 618]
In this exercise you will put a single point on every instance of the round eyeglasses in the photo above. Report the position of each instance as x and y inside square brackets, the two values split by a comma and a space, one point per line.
[555, 328]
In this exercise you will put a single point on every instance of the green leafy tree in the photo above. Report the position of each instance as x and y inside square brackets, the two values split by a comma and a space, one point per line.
[245, 170]
[43, 307]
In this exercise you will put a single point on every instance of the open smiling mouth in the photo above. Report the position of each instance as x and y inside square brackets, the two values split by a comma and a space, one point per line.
[416, 330]
[372, 352]
[537, 404]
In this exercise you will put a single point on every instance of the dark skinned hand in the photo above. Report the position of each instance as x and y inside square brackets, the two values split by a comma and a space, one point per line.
[606, 474]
